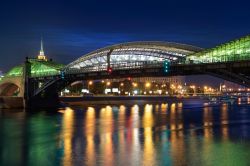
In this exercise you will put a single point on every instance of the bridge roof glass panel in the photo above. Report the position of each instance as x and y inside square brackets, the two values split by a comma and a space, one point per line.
[37, 68]
[134, 52]
[235, 50]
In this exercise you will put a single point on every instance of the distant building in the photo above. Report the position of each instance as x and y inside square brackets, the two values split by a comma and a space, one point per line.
[39, 66]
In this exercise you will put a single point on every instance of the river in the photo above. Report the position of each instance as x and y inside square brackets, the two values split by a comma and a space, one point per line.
[127, 134]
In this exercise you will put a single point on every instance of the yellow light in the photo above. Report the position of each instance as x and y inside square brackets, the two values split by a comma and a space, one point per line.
[103, 81]
[122, 84]
[135, 84]
[108, 83]
[147, 84]
[90, 82]
[173, 86]
[192, 86]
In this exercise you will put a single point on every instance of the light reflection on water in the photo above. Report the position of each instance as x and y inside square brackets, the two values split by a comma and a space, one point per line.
[150, 134]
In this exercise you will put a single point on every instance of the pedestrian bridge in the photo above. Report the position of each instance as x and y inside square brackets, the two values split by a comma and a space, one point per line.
[38, 79]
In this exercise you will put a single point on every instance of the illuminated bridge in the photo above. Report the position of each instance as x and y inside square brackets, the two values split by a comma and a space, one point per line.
[41, 80]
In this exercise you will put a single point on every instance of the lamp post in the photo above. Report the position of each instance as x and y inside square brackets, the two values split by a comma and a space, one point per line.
[120, 87]
[135, 91]
[193, 87]
[107, 85]
[135, 84]
[89, 84]
[147, 85]
[205, 89]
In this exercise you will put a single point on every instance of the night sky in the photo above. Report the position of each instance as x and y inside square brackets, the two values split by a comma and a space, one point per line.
[74, 27]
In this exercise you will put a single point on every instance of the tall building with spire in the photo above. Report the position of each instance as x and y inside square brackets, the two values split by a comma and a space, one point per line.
[41, 55]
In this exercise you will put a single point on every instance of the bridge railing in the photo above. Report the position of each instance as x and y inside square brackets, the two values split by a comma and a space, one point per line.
[117, 66]
[103, 67]
[45, 74]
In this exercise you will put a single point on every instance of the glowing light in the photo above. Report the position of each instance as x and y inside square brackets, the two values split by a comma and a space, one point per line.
[147, 85]
[159, 91]
[192, 86]
[135, 84]
[37, 68]
[173, 86]
[90, 83]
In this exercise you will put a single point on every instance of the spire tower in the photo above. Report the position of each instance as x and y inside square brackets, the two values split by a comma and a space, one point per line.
[41, 55]
[41, 51]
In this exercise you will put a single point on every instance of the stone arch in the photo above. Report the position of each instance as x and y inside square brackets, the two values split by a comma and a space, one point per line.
[12, 87]
[9, 89]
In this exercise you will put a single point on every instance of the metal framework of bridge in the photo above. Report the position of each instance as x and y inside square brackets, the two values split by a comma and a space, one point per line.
[229, 61]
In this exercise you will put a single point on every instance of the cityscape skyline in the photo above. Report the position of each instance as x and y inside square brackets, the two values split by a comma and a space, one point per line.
[152, 83]
[73, 29]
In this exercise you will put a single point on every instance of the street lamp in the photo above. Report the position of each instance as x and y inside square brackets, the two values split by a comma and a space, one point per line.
[205, 89]
[135, 85]
[89, 84]
[193, 87]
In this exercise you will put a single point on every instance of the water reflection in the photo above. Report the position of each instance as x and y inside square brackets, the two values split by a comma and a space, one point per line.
[67, 135]
[208, 122]
[90, 125]
[176, 137]
[149, 134]
[224, 121]
[148, 122]
[106, 128]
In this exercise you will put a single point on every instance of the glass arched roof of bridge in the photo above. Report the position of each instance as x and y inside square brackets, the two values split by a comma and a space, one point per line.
[134, 52]
[234, 50]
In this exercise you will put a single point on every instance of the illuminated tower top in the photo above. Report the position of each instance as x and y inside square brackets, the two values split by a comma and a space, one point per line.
[41, 55]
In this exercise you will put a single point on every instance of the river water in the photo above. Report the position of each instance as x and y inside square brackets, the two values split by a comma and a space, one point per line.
[128, 134]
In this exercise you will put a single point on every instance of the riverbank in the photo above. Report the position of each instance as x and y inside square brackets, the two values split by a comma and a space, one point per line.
[113, 100]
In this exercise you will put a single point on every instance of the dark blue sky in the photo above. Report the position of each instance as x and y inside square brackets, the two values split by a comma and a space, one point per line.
[74, 27]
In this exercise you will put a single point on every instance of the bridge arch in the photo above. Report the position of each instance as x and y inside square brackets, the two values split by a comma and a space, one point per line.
[126, 54]
[12, 86]
[9, 89]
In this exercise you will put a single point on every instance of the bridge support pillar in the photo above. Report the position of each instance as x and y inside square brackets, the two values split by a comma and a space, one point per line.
[47, 99]
[26, 75]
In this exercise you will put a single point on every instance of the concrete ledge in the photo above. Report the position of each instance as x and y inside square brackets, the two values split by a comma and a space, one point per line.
[11, 102]
[114, 100]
